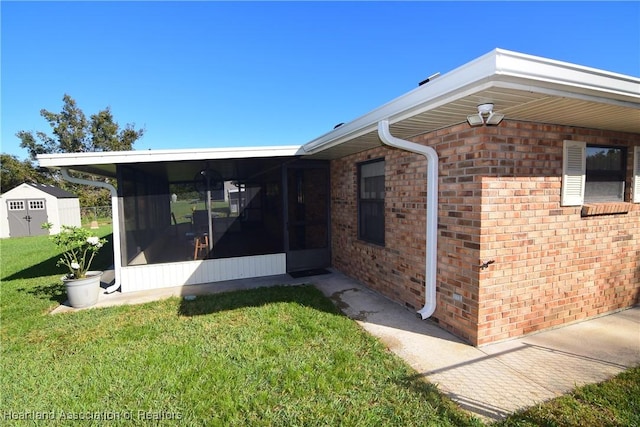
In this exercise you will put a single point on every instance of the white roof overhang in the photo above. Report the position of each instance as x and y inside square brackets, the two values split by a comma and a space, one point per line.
[522, 87]
[177, 164]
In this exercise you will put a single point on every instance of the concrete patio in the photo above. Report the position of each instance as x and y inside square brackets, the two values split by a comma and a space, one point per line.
[491, 381]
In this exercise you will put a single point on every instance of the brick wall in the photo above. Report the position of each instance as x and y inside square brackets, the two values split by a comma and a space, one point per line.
[499, 200]
[397, 269]
[552, 265]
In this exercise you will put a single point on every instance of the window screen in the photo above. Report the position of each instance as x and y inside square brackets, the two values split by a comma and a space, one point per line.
[605, 174]
[371, 202]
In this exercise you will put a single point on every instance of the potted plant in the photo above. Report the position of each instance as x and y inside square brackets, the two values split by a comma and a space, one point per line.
[79, 248]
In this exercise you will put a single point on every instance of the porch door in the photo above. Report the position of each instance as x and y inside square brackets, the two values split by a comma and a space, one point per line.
[26, 217]
[307, 215]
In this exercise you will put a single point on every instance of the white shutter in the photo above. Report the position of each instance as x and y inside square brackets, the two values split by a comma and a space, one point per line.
[636, 174]
[574, 166]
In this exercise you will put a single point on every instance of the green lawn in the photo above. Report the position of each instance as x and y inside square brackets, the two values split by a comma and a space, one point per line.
[611, 403]
[276, 356]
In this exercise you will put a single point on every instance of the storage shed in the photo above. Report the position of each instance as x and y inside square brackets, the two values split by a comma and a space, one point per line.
[25, 208]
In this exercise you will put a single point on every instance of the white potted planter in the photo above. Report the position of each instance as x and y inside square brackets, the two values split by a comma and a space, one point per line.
[83, 292]
[78, 248]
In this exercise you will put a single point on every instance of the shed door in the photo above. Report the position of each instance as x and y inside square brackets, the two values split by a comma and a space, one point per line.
[26, 217]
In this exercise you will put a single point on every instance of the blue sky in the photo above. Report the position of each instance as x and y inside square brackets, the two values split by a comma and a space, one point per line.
[220, 74]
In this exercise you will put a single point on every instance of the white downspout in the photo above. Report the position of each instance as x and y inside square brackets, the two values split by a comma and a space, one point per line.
[117, 261]
[431, 249]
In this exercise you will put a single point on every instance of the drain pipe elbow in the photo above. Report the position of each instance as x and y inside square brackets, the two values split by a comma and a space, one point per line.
[431, 249]
[117, 261]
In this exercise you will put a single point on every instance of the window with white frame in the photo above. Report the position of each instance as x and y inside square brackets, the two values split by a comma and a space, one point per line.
[16, 205]
[36, 205]
[596, 173]
[371, 201]
[606, 168]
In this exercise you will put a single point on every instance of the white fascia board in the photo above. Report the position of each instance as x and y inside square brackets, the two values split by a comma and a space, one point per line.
[498, 68]
[153, 156]
[565, 77]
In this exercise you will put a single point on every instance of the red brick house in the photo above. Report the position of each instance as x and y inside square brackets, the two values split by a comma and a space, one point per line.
[534, 229]
[499, 199]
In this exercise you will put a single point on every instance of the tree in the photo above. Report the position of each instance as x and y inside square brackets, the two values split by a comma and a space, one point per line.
[14, 172]
[106, 135]
[73, 133]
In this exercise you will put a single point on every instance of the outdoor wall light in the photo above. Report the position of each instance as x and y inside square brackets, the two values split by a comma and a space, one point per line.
[485, 116]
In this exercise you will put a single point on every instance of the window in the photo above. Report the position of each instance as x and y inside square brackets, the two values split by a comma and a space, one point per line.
[593, 173]
[371, 201]
[605, 174]
[16, 205]
[36, 205]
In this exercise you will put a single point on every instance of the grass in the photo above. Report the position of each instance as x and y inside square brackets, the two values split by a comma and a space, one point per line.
[276, 356]
[273, 356]
[611, 403]
[618, 399]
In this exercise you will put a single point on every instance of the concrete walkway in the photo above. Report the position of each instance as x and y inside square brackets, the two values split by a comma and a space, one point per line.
[495, 380]
[491, 381]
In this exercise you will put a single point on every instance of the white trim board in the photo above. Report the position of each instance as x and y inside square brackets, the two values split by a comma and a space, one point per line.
[167, 275]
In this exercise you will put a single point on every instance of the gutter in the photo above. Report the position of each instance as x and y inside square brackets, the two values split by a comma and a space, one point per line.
[117, 260]
[431, 250]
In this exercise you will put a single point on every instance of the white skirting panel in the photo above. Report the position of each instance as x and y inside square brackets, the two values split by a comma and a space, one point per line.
[154, 276]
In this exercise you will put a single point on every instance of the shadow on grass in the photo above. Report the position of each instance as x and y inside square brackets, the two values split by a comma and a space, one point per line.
[48, 267]
[52, 291]
[44, 268]
[444, 406]
[304, 295]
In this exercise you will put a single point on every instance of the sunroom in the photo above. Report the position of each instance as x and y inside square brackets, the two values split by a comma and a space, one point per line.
[183, 217]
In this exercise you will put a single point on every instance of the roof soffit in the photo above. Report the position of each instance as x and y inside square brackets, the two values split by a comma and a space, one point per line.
[522, 87]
